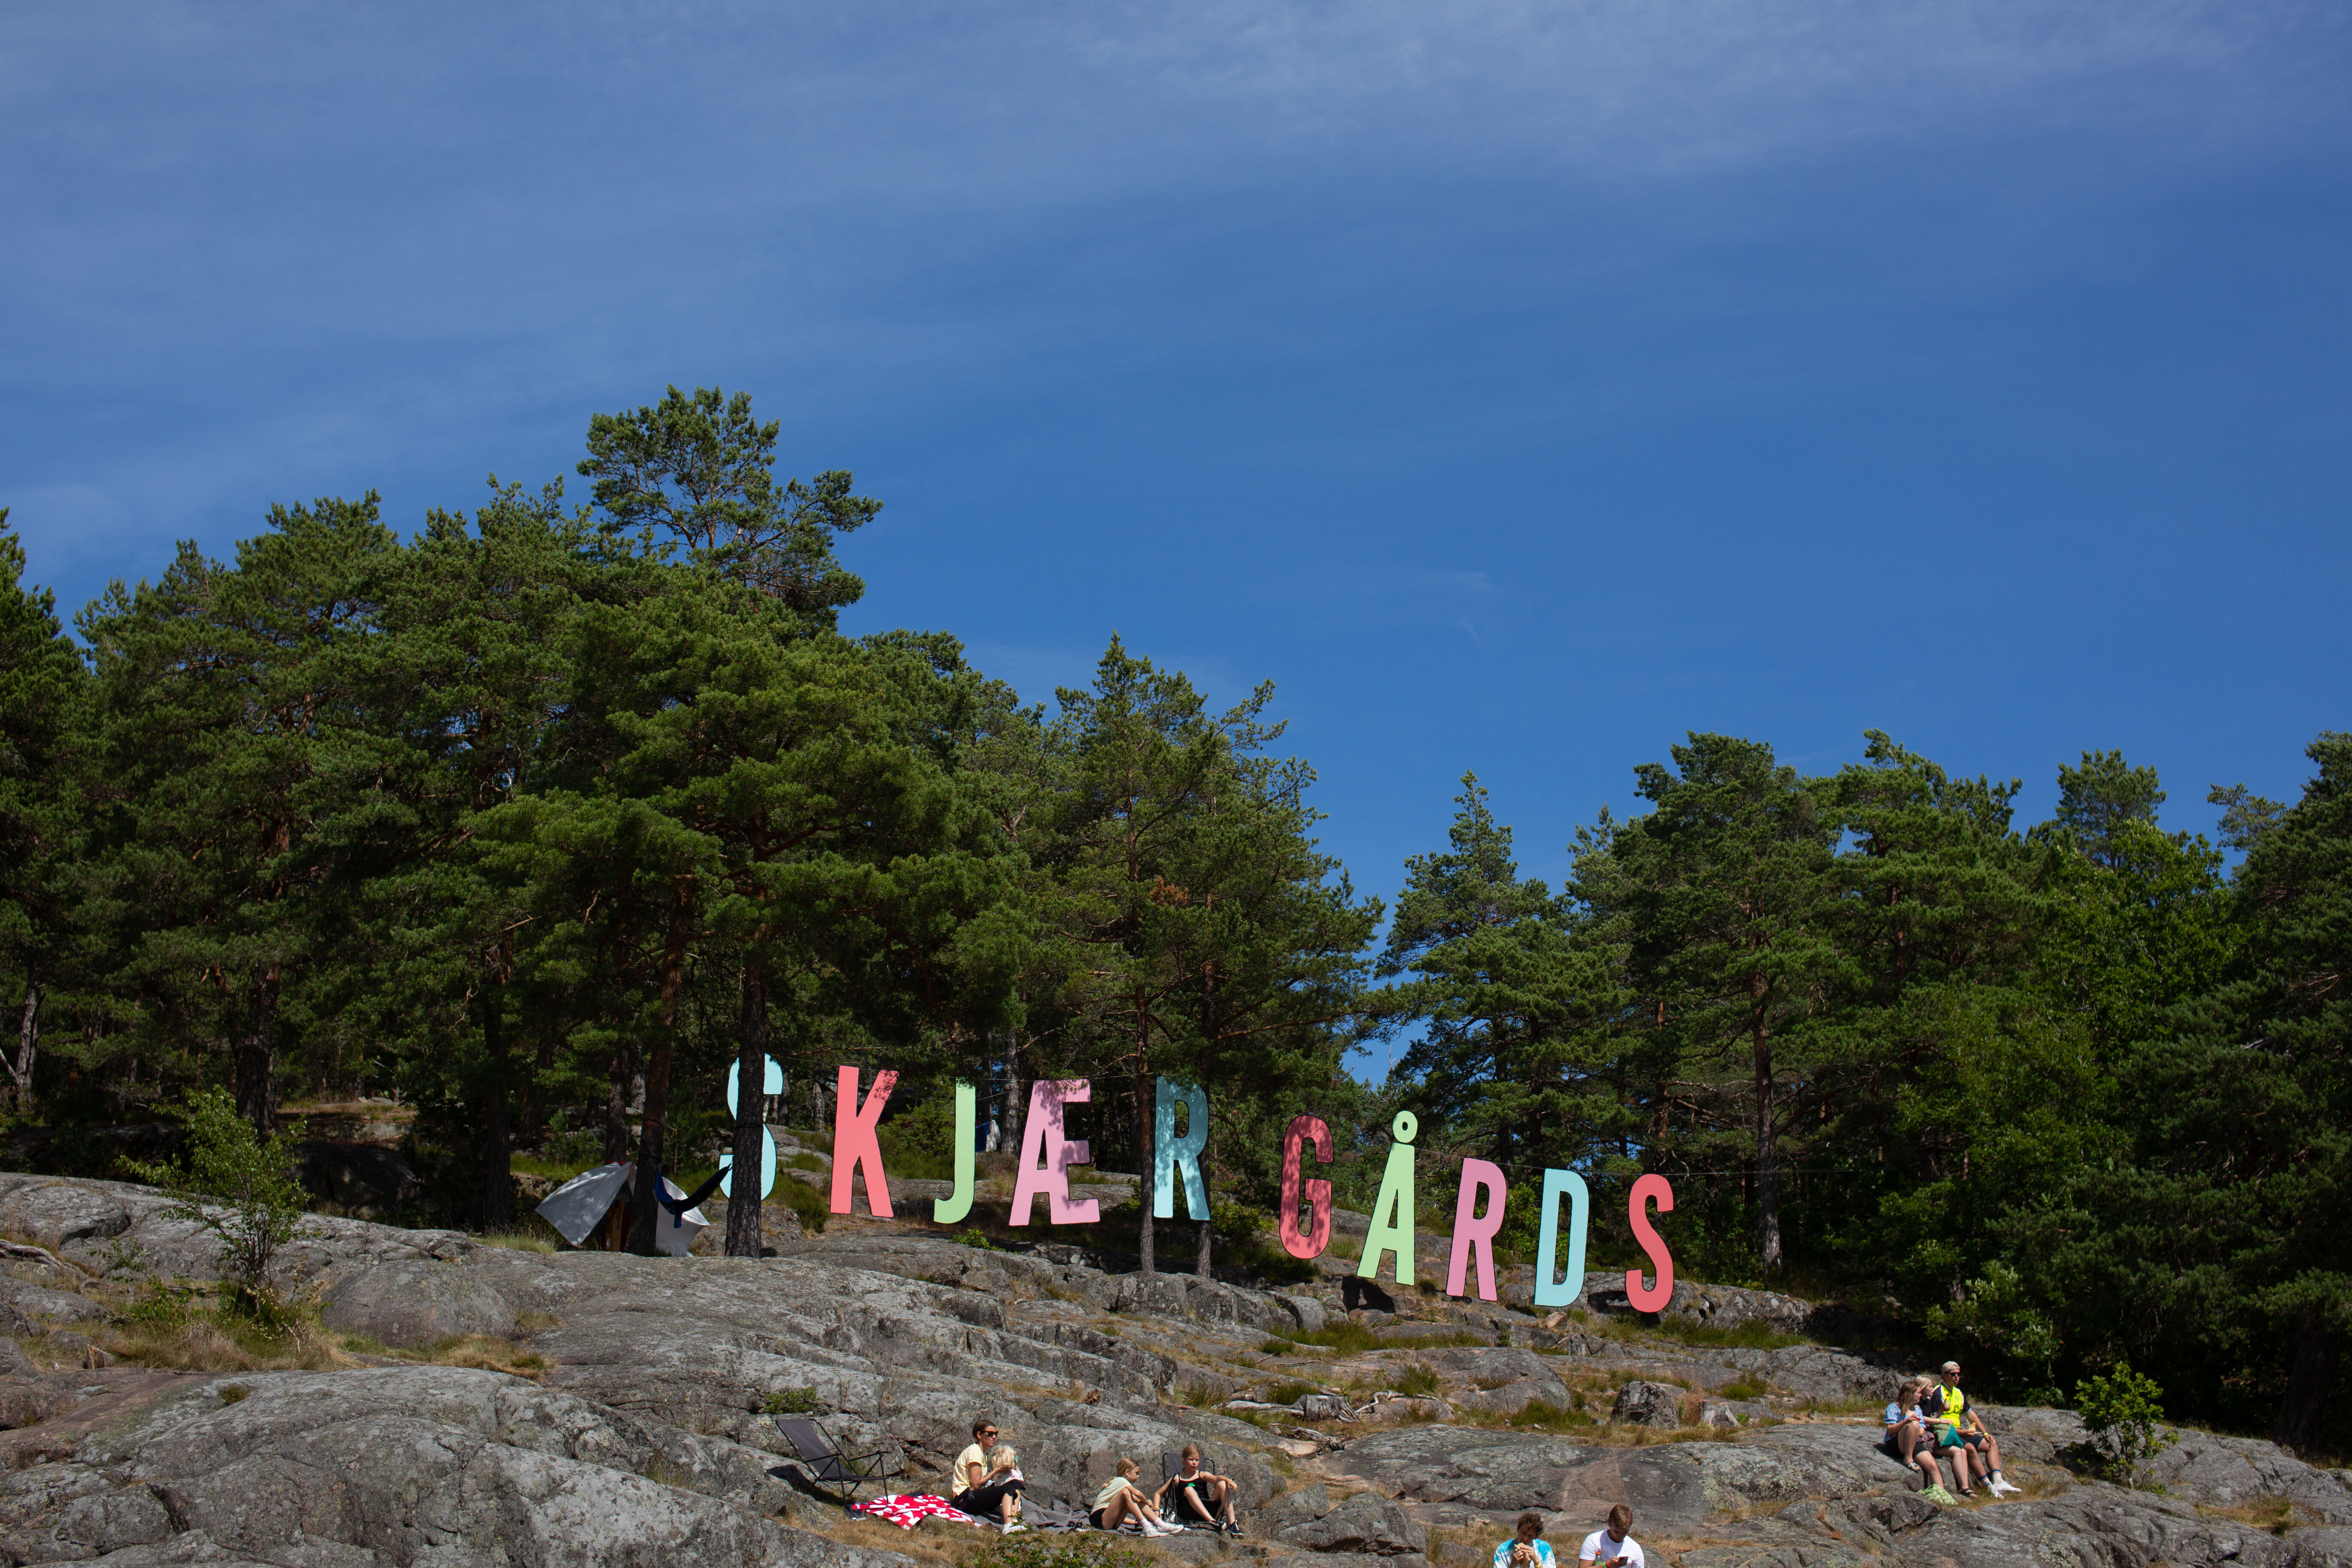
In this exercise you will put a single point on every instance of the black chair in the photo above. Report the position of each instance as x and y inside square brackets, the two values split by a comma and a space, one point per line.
[822, 1458]
[1172, 1506]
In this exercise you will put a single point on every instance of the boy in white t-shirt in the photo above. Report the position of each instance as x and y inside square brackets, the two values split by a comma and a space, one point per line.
[1609, 1546]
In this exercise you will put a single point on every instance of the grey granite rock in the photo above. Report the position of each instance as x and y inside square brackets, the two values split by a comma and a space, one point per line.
[648, 1440]
[1643, 1404]
[403, 1466]
[1367, 1524]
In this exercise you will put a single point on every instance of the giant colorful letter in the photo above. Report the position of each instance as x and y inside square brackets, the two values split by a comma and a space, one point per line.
[1169, 1157]
[947, 1211]
[1654, 1299]
[1392, 1210]
[1550, 1292]
[1042, 1135]
[771, 1083]
[1311, 1242]
[1474, 1234]
[854, 1144]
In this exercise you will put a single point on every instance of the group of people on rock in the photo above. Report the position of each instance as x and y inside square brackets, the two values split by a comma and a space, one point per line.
[1931, 1419]
[989, 1474]
[1610, 1546]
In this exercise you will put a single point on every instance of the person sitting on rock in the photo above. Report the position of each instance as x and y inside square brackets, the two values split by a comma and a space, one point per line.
[1945, 1402]
[986, 1493]
[1527, 1548]
[1194, 1493]
[1122, 1500]
[1610, 1546]
[1945, 1441]
[1005, 1479]
[1907, 1434]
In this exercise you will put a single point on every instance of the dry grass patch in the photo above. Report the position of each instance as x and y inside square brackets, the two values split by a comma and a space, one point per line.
[2275, 1514]
[483, 1352]
[206, 1344]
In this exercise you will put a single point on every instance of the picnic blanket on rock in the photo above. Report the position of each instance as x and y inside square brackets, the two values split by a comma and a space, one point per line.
[906, 1511]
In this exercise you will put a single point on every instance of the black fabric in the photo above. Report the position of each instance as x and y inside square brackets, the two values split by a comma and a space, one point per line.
[984, 1501]
[1203, 1491]
[1096, 1519]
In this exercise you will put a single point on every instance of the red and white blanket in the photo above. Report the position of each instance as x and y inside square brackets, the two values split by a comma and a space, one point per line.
[906, 1511]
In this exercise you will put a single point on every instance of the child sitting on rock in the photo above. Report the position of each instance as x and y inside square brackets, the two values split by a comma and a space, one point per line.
[1121, 1501]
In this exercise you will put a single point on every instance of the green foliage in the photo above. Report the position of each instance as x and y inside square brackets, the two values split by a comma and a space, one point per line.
[919, 1143]
[977, 1238]
[164, 1305]
[1753, 1334]
[1417, 1380]
[1343, 1335]
[1996, 1321]
[2126, 1419]
[242, 1189]
[791, 1401]
[1080, 1549]
[1289, 1393]
[812, 1208]
[550, 800]
[1545, 1416]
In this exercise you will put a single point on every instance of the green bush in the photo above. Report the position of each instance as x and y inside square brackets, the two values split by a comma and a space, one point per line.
[1289, 1393]
[165, 1306]
[918, 1144]
[2125, 1418]
[805, 1202]
[1418, 1381]
[791, 1401]
[241, 1188]
[1995, 1319]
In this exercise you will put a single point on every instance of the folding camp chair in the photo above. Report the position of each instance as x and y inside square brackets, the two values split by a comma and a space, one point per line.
[822, 1458]
[1170, 1507]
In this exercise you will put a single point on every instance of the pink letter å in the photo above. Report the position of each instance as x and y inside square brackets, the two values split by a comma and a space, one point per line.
[854, 1144]
[1042, 1135]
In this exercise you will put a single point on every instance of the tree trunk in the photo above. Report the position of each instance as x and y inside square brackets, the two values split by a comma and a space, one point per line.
[647, 1188]
[1144, 1233]
[255, 1067]
[530, 1123]
[496, 1145]
[2316, 1349]
[29, 1040]
[1200, 1258]
[1016, 1096]
[650, 1138]
[1768, 1154]
[751, 1111]
[616, 1102]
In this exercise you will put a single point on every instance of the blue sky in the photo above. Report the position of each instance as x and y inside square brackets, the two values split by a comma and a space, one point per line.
[1517, 386]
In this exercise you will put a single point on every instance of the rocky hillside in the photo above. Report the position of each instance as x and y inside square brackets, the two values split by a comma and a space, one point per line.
[632, 1426]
